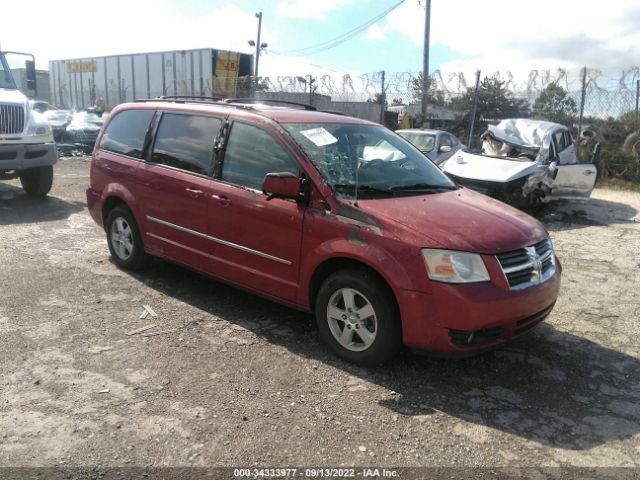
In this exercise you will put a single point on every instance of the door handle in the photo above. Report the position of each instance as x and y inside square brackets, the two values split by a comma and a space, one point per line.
[223, 199]
[588, 172]
[194, 192]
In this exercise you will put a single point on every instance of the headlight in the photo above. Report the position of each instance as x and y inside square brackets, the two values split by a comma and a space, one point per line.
[454, 267]
[38, 125]
[39, 129]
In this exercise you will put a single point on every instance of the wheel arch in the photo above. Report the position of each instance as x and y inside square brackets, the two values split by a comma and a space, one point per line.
[109, 204]
[335, 264]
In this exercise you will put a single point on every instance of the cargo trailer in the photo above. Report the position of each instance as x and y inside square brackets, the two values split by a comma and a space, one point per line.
[77, 83]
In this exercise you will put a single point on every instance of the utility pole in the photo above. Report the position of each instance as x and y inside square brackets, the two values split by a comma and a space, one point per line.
[258, 48]
[425, 60]
[582, 99]
[383, 100]
[636, 124]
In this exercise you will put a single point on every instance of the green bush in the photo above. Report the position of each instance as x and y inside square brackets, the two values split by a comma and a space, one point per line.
[615, 163]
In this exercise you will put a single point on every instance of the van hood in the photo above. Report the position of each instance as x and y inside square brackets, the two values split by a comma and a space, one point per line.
[458, 220]
[488, 169]
[15, 97]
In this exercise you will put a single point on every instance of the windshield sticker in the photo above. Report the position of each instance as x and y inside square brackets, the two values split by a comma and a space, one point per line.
[319, 136]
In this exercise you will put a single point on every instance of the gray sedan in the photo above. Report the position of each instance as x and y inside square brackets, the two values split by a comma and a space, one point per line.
[438, 145]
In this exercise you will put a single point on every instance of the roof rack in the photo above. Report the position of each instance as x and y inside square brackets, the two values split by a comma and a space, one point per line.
[267, 100]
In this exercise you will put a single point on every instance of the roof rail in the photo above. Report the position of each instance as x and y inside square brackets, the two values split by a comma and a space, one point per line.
[194, 99]
[189, 97]
[267, 100]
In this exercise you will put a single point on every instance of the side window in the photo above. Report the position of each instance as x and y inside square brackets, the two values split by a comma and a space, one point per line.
[126, 132]
[567, 138]
[560, 140]
[445, 141]
[454, 140]
[186, 142]
[252, 153]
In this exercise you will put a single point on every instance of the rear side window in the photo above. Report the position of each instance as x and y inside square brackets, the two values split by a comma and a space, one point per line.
[252, 153]
[186, 142]
[126, 132]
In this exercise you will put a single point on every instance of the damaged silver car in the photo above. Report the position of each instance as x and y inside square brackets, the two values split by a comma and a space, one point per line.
[524, 162]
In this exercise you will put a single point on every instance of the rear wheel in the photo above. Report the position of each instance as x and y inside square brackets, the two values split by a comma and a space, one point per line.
[37, 181]
[358, 318]
[124, 239]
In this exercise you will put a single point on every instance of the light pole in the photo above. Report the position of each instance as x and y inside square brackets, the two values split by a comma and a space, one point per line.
[259, 46]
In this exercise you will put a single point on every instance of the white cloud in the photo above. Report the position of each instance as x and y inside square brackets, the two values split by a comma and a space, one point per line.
[71, 30]
[375, 32]
[504, 35]
[313, 9]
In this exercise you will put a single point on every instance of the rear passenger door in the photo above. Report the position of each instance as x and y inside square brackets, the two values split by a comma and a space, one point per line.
[259, 238]
[174, 186]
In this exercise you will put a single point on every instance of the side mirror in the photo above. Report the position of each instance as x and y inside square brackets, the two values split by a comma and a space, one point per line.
[281, 185]
[30, 71]
[445, 149]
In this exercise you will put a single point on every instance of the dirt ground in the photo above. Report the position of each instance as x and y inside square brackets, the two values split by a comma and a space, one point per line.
[234, 380]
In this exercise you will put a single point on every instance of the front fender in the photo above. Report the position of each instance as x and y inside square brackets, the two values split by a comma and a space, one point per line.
[379, 260]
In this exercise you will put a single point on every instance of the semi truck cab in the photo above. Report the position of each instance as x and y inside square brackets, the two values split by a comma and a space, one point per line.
[27, 148]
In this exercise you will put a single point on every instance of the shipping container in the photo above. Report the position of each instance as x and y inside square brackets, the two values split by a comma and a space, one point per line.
[77, 83]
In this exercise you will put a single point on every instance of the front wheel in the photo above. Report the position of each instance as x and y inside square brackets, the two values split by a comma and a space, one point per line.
[358, 318]
[124, 239]
[37, 181]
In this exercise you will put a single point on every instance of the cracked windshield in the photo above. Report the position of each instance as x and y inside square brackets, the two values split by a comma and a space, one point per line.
[373, 158]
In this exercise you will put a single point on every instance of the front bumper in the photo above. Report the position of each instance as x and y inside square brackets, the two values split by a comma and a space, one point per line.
[459, 320]
[24, 155]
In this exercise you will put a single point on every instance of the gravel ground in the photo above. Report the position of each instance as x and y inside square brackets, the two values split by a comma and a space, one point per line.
[234, 380]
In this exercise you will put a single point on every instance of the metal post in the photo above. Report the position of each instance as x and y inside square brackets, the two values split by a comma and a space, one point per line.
[259, 16]
[582, 99]
[474, 109]
[425, 60]
[382, 100]
[637, 119]
[311, 82]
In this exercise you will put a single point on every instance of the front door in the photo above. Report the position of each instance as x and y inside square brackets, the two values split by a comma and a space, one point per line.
[576, 180]
[573, 179]
[259, 239]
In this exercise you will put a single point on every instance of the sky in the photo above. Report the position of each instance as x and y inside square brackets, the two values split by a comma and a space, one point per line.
[466, 35]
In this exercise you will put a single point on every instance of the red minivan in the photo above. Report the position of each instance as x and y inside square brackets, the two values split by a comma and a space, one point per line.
[324, 213]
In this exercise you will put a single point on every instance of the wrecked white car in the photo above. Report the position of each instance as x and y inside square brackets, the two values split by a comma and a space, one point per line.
[524, 162]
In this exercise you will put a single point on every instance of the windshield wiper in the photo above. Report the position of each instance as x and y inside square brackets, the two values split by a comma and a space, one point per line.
[423, 187]
[364, 189]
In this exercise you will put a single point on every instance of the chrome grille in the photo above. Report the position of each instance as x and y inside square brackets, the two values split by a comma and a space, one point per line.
[11, 119]
[528, 266]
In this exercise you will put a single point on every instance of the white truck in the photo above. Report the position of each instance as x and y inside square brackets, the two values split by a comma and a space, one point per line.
[27, 149]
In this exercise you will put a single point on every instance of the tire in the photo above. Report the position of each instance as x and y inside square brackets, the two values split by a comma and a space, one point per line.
[124, 240]
[632, 144]
[370, 333]
[37, 181]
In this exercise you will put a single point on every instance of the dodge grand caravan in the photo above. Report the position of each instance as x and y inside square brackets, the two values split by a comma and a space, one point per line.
[324, 213]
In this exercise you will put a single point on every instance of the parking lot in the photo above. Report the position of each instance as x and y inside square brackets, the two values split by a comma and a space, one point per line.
[226, 378]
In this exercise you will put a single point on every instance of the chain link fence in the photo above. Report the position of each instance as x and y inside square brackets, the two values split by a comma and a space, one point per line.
[599, 106]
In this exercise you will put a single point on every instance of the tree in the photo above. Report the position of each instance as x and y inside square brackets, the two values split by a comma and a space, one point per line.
[554, 104]
[495, 101]
[434, 96]
[628, 118]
